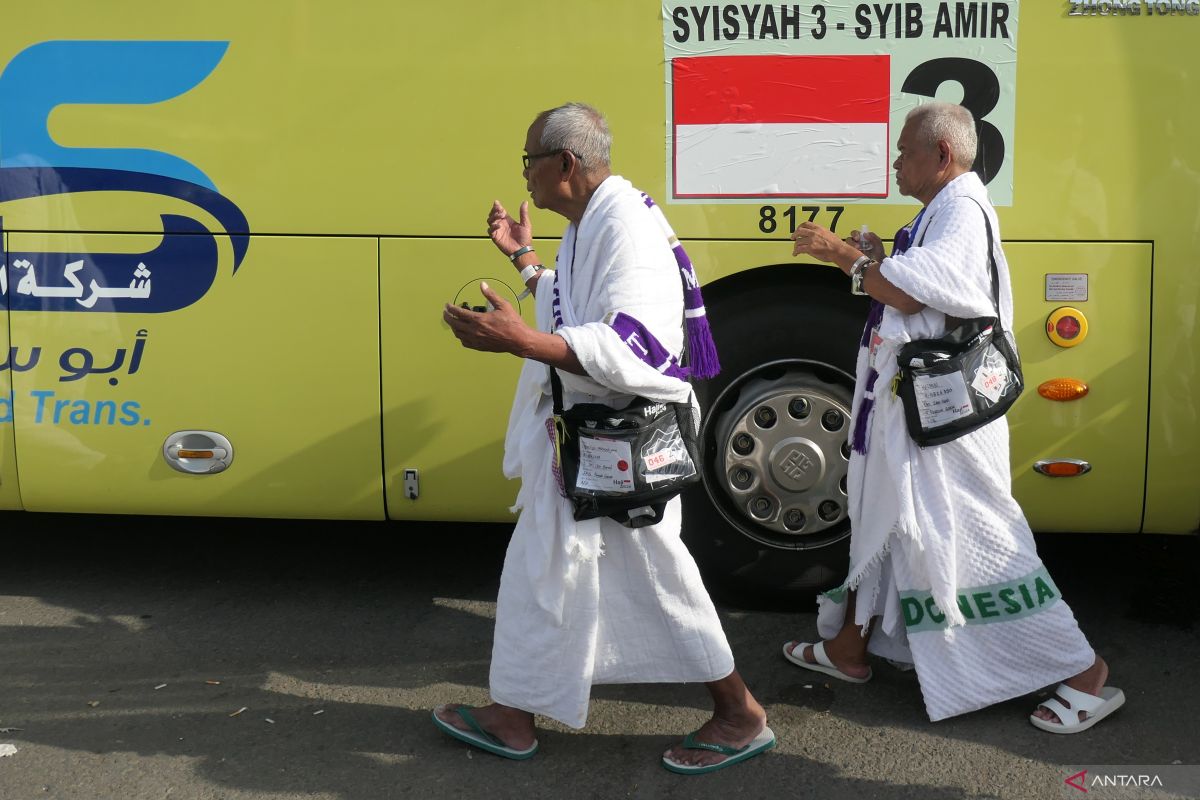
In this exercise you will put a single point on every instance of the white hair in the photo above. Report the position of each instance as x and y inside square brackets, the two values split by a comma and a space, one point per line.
[949, 123]
[581, 129]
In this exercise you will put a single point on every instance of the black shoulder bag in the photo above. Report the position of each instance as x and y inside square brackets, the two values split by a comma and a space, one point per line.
[627, 463]
[969, 377]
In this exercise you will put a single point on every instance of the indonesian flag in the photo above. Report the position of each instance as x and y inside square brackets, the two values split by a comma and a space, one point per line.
[789, 126]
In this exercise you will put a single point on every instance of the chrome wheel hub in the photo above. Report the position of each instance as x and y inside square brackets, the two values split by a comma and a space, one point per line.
[782, 454]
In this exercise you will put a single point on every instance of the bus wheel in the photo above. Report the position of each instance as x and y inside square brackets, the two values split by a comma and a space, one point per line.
[770, 521]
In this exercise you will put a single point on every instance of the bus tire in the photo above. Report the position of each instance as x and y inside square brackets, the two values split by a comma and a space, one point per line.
[769, 522]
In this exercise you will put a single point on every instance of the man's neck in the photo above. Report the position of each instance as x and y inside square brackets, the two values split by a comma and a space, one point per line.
[588, 184]
[949, 177]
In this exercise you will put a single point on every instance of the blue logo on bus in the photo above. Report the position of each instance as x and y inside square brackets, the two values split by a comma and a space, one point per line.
[181, 269]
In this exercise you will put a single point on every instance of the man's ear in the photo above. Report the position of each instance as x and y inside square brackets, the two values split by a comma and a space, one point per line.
[944, 156]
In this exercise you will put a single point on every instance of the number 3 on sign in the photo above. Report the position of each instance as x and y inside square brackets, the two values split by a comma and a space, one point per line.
[768, 223]
[981, 93]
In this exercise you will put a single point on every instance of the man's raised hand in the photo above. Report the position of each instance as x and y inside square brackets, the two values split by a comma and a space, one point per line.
[508, 234]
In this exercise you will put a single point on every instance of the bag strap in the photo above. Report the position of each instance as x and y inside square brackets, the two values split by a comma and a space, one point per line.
[991, 258]
[556, 391]
[995, 271]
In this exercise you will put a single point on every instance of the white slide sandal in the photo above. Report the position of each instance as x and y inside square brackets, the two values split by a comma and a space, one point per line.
[1068, 702]
[823, 665]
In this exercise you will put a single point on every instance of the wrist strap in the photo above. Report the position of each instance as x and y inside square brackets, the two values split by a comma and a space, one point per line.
[520, 252]
[530, 271]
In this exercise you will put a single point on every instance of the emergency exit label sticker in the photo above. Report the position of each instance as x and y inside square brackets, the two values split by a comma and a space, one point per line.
[776, 101]
[1066, 286]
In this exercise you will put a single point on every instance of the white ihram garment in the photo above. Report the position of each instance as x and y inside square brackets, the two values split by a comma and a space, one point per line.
[939, 525]
[584, 603]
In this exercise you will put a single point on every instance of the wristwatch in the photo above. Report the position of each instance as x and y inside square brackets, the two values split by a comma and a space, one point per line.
[858, 272]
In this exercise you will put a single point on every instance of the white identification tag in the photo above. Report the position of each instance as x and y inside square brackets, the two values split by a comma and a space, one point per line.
[604, 465]
[941, 399]
[990, 381]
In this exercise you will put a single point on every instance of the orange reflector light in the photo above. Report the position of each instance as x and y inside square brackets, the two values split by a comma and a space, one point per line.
[195, 453]
[1063, 389]
[1062, 467]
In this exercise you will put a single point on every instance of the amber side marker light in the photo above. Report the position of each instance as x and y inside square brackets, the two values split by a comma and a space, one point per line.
[1063, 389]
[1062, 467]
[195, 454]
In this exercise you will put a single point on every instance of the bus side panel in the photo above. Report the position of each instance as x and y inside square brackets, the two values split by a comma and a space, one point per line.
[1107, 428]
[281, 358]
[313, 101]
[1110, 151]
[10, 490]
[445, 408]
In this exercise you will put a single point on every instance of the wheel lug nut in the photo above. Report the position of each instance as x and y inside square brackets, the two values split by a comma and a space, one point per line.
[794, 519]
[829, 510]
[799, 407]
[742, 478]
[832, 420]
[846, 449]
[765, 416]
[743, 444]
[760, 507]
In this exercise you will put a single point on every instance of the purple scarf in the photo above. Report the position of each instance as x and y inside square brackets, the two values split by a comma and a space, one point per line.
[858, 441]
[701, 350]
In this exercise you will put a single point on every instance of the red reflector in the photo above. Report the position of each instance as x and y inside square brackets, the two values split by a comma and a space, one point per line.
[1062, 470]
[1062, 467]
[1067, 327]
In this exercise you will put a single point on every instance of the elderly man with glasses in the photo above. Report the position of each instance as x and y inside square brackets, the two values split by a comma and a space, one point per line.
[944, 570]
[593, 602]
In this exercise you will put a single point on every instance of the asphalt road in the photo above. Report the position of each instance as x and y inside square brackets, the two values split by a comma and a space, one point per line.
[127, 646]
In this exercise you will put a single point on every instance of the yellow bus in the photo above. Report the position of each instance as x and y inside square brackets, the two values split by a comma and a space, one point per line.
[229, 229]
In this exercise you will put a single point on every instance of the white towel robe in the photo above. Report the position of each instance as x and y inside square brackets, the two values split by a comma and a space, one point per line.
[943, 519]
[584, 603]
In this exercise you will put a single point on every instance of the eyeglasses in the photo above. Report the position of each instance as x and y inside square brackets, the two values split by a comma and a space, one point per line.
[527, 160]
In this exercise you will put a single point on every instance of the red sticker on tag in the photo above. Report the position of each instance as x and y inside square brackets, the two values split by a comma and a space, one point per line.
[876, 340]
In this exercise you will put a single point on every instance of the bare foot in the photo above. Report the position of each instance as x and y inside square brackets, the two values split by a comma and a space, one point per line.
[1091, 681]
[850, 661]
[511, 726]
[731, 731]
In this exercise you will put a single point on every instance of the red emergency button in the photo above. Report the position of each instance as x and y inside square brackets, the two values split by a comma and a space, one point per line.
[1066, 326]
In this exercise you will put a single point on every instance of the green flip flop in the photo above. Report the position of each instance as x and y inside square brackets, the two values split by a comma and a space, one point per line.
[478, 737]
[761, 743]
